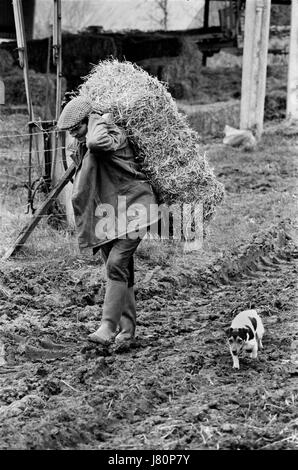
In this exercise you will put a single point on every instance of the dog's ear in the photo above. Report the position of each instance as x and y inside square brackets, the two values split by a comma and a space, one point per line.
[248, 333]
[229, 331]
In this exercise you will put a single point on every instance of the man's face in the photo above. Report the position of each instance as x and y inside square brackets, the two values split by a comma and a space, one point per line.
[79, 131]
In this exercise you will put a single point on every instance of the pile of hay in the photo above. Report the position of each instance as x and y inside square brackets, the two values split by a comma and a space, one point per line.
[166, 146]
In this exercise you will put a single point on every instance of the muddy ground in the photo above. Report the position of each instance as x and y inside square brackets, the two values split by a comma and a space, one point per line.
[175, 387]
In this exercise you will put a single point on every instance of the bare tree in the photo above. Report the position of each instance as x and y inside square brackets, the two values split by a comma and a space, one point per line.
[76, 14]
[163, 6]
[160, 13]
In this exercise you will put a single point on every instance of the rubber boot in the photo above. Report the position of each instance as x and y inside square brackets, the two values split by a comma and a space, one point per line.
[115, 297]
[128, 319]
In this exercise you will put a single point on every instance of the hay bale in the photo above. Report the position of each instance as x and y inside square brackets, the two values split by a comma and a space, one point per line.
[167, 148]
[211, 119]
[275, 105]
[40, 84]
[6, 62]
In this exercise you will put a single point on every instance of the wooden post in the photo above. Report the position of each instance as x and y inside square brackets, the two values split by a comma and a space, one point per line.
[22, 49]
[254, 67]
[205, 26]
[57, 53]
[57, 162]
[292, 97]
[2, 92]
[57, 171]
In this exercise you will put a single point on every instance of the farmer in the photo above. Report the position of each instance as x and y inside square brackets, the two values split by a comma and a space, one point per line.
[108, 189]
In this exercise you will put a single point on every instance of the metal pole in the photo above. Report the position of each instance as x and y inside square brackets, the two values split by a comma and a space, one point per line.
[22, 49]
[59, 156]
[48, 78]
[57, 60]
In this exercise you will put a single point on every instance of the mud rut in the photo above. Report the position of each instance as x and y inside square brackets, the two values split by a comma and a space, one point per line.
[175, 387]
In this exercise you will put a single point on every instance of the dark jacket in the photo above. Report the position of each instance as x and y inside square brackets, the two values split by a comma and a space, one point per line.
[111, 196]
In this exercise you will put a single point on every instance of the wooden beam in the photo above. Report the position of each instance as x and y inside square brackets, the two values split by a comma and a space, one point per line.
[292, 96]
[206, 14]
[205, 25]
[40, 212]
[254, 67]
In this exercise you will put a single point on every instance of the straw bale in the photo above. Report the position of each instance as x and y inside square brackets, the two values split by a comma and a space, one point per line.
[211, 119]
[166, 146]
[41, 85]
[6, 62]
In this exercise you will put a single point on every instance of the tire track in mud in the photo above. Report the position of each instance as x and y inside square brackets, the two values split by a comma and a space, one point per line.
[264, 253]
[175, 387]
[205, 403]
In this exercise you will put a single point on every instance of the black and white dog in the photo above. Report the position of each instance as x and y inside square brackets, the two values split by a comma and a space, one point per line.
[245, 334]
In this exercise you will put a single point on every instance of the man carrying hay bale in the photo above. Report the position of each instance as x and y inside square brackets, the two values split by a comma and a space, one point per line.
[131, 139]
[108, 184]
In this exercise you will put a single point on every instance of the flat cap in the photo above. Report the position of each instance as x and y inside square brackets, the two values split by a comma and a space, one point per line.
[74, 112]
